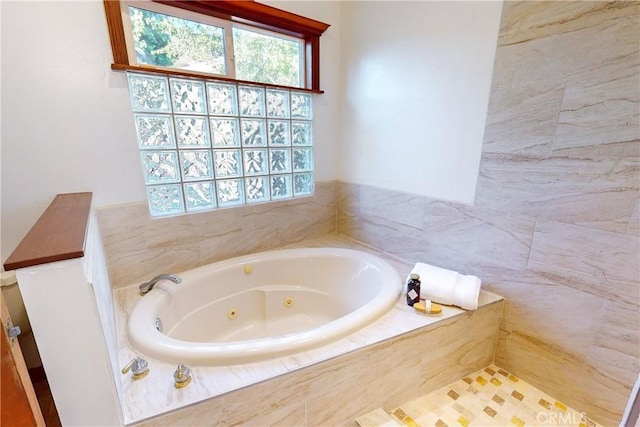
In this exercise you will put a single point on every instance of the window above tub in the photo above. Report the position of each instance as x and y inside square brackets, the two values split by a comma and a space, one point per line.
[207, 144]
[221, 96]
[241, 41]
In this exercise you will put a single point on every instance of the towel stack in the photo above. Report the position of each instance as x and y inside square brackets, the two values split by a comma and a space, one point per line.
[448, 287]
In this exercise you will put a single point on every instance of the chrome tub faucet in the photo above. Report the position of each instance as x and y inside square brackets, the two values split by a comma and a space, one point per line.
[147, 286]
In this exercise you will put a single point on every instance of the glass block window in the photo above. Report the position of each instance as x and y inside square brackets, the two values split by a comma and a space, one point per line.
[212, 144]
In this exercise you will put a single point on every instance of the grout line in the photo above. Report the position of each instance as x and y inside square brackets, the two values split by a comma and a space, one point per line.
[507, 397]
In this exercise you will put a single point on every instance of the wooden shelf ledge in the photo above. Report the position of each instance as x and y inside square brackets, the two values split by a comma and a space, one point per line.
[58, 235]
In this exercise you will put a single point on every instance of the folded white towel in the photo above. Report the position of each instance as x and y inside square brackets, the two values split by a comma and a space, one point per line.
[448, 287]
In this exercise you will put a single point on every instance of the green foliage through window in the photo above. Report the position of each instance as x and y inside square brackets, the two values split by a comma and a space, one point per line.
[266, 59]
[163, 40]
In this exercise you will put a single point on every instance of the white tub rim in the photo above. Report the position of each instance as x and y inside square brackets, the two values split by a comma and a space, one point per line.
[242, 351]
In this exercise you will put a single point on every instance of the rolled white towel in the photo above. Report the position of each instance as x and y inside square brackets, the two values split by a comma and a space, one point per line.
[448, 287]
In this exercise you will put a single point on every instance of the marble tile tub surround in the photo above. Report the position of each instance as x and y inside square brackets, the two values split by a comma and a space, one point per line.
[399, 357]
[139, 247]
[554, 227]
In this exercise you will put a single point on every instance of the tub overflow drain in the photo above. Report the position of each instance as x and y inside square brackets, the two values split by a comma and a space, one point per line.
[288, 302]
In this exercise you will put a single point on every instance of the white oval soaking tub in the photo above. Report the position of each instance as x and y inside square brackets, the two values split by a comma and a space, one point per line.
[263, 305]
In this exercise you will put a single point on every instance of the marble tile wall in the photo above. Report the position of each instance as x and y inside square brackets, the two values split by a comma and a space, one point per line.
[554, 227]
[139, 247]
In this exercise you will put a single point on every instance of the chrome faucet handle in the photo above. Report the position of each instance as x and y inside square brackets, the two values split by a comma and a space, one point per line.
[139, 368]
[146, 287]
[182, 376]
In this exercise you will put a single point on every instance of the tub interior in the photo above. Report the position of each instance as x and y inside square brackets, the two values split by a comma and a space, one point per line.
[257, 313]
[256, 307]
[299, 294]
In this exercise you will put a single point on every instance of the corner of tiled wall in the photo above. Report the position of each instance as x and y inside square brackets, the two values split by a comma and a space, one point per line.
[554, 227]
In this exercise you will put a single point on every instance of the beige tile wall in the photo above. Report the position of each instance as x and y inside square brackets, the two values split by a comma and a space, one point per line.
[139, 247]
[554, 227]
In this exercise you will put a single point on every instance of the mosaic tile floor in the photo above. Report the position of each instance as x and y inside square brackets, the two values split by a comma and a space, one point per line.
[489, 397]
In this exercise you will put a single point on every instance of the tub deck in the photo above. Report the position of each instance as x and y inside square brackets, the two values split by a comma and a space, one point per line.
[223, 390]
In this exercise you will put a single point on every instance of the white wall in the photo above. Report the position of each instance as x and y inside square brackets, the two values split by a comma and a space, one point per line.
[416, 80]
[67, 124]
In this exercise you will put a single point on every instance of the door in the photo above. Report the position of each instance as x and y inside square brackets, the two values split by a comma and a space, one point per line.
[19, 403]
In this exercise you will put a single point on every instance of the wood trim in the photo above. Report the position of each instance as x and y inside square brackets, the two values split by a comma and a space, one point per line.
[180, 73]
[248, 12]
[313, 61]
[276, 19]
[116, 31]
[58, 235]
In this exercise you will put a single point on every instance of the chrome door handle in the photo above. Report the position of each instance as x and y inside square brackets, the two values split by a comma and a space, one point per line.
[14, 331]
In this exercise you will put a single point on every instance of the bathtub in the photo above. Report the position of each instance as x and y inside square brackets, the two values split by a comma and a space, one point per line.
[260, 306]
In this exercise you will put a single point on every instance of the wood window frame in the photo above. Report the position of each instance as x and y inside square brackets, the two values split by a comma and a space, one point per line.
[246, 12]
